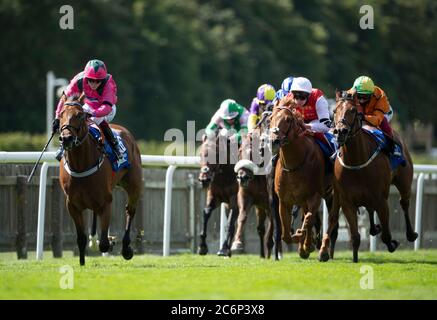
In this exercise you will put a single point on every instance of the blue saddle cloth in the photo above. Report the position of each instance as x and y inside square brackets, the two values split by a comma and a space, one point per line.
[115, 163]
[395, 158]
[328, 144]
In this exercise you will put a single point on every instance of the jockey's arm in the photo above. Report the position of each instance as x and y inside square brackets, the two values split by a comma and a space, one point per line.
[103, 110]
[322, 123]
[60, 104]
[381, 107]
[71, 90]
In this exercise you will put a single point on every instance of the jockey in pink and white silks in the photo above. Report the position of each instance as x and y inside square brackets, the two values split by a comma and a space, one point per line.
[100, 98]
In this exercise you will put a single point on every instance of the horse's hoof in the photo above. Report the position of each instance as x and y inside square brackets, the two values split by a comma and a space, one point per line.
[393, 246]
[224, 253]
[237, 247]
[104, 246]
[202, 250]
[127, 253]
[304, 254]
[310, 248]
[412, 237]
[323, 256]
[376, 230]
[82, 261]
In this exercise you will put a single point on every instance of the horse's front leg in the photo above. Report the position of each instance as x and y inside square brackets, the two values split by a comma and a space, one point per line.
[93, 242]
[77, 216]
[225, 250]
[105, 217]
[284, 214]
[126, 250]
[330, 237]
[211, 204]
[244, 204]
[312, 206]
[375, 229]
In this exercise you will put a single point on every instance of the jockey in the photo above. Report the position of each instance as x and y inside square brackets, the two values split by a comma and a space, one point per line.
[230, 115]
[285, 89]
[312, 105]
[100, 99]
[262, 102]
[375, 106]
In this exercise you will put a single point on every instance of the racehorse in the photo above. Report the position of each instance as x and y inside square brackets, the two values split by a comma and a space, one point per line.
[300, 176]
[247, 173]
[218, 177]
[252, 191]
[87, 178]
[362, 176]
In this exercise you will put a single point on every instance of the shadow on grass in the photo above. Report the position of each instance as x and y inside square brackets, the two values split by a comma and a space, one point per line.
[385, 257]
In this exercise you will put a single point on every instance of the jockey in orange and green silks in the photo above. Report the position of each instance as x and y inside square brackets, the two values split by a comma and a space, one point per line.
[230, 115]
[373, 101]
[375, 105]
[262, 102]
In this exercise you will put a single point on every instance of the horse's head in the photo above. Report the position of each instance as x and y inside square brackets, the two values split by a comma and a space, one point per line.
[73, 123]
[285, 124]
[208, 161]
[347, 118]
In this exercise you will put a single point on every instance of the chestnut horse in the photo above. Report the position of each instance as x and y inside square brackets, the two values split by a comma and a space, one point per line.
[362, 177]
[87, 179]
[300, 177]
[252, 191]
[217, 175]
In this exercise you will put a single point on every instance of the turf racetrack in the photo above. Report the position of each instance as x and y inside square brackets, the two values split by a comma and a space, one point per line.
[399, 275]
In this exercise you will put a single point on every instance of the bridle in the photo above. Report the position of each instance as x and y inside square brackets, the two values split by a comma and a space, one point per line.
[356, 124]
[283, 141]
[275, 130]
[76, 140]
[351, 134]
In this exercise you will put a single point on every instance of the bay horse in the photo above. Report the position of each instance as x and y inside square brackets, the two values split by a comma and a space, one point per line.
[218, 178]
[300, 177]
[87, 178]
[362, 177]
[245, 174]
[252, 191]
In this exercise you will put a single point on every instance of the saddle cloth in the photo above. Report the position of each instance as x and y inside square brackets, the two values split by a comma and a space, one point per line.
[395, 158]
[115, 163]
[328, 144]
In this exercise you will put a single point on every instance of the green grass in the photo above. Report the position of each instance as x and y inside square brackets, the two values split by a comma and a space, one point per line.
[401, 275]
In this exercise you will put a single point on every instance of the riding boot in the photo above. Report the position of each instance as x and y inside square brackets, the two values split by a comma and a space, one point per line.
[60, 153]
[109, 135]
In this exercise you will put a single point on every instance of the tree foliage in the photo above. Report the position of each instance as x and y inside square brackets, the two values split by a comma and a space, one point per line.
[176, 60]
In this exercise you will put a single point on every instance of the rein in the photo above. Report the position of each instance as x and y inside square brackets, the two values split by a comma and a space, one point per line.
[359, 128]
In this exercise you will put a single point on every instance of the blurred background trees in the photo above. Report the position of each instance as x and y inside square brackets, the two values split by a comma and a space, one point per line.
[176, 60]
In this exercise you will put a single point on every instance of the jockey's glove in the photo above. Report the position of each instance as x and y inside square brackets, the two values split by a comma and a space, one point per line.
[55, 125]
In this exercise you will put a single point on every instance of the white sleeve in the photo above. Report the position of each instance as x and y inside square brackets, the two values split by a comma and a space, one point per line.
[323, 122]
